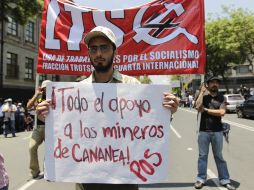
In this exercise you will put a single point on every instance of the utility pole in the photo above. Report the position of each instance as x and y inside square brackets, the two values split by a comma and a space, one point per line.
[2, 45]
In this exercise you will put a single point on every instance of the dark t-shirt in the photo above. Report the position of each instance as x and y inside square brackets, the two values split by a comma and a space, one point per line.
[210, 122]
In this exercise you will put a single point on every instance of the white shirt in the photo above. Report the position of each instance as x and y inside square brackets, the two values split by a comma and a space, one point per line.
[9, 111]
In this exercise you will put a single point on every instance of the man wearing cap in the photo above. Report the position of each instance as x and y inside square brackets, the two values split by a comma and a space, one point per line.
[102, 48]
[20, 117]
[38, 134]
[9, 110]
[210, 132]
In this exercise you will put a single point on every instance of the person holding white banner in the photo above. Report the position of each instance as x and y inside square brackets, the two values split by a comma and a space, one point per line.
[38, 134]
[101, 43]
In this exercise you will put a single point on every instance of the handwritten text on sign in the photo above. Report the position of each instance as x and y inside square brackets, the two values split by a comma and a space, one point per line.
[107, 133]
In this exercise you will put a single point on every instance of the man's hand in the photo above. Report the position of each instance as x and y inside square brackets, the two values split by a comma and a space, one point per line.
[42, 109]
[171, 102]
[39, 91]
[200, 109]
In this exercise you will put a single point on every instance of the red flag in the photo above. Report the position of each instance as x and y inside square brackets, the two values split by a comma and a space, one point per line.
[159, 38]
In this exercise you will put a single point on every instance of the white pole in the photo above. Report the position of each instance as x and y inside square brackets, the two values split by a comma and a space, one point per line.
[202, 78]
[36, 87]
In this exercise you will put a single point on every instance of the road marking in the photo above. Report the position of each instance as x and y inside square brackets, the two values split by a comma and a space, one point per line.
[31, 182]
[26, 137]
[230, 122]
[175, 131]
[28, 184]
[214, 178]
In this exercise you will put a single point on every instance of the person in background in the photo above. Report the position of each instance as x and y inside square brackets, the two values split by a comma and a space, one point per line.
[211, 132]
[38, 134]
[190, 99]
[9, 110]
[101, 43]
[20, 117]
[28, 122]
[4, 179]
[1, 115]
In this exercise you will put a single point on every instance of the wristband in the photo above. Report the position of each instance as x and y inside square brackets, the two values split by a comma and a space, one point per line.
[206, 110]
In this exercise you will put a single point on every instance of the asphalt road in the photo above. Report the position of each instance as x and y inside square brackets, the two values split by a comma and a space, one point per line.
[239, 154]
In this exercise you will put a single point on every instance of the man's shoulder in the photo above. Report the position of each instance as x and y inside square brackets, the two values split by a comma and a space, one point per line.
[129, 79]
[89, 80]
[117, 77]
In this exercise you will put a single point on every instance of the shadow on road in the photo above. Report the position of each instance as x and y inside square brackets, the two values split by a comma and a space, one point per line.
[167, 185]
[209, 183]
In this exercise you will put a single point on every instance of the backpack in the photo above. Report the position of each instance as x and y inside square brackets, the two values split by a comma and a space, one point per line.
[225, 130]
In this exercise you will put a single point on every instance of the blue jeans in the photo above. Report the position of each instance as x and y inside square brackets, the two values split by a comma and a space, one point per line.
[216, 140]
[9, 125]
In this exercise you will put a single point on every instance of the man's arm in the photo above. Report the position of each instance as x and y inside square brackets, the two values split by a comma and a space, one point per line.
[13, 108]
[32, 101]
[219, 112]
[42, 109]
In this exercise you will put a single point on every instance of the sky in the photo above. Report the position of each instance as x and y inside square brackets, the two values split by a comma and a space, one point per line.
[212, 8]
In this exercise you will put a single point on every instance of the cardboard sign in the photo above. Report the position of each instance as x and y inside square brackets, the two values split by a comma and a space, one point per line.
[107, 133]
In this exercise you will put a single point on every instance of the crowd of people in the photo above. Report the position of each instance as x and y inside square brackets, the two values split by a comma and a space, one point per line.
[15, 117]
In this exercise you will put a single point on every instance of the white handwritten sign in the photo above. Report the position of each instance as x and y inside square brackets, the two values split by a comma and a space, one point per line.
[107, 133]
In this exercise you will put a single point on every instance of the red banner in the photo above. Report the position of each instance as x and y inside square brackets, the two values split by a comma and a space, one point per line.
[160, 38]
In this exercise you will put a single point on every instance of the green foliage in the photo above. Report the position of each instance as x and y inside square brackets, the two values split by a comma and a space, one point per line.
[229, 39]
[21, 10]
[145, 79]
[175, 77]
[176, 90]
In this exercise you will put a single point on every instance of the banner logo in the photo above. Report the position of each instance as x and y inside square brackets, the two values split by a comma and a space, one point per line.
[155, 23]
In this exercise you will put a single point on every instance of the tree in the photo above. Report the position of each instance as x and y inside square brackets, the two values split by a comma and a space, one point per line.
[176, 90]
[20, 10]
[229, 40]
[144, 79]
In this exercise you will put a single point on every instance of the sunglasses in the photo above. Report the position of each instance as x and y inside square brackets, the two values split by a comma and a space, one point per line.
[102, 48]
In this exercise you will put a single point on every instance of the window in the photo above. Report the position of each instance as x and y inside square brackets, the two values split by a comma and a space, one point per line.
[43, 77]
[12, 65]
[243, 69]
[235, 97]
[229, 71]
[29, 68]
[55, 78]
[12, 27]
[30, 32]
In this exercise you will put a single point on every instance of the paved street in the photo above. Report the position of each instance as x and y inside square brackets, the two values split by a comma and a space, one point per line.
[239, 154]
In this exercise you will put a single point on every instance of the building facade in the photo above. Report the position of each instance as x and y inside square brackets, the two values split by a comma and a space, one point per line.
[237, 75]
[20, 52]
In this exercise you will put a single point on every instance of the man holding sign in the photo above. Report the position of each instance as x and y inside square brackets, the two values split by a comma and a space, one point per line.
[101, 43]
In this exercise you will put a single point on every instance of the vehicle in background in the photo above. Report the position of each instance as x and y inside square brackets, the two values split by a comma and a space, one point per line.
[232, 100]
[246, 109]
